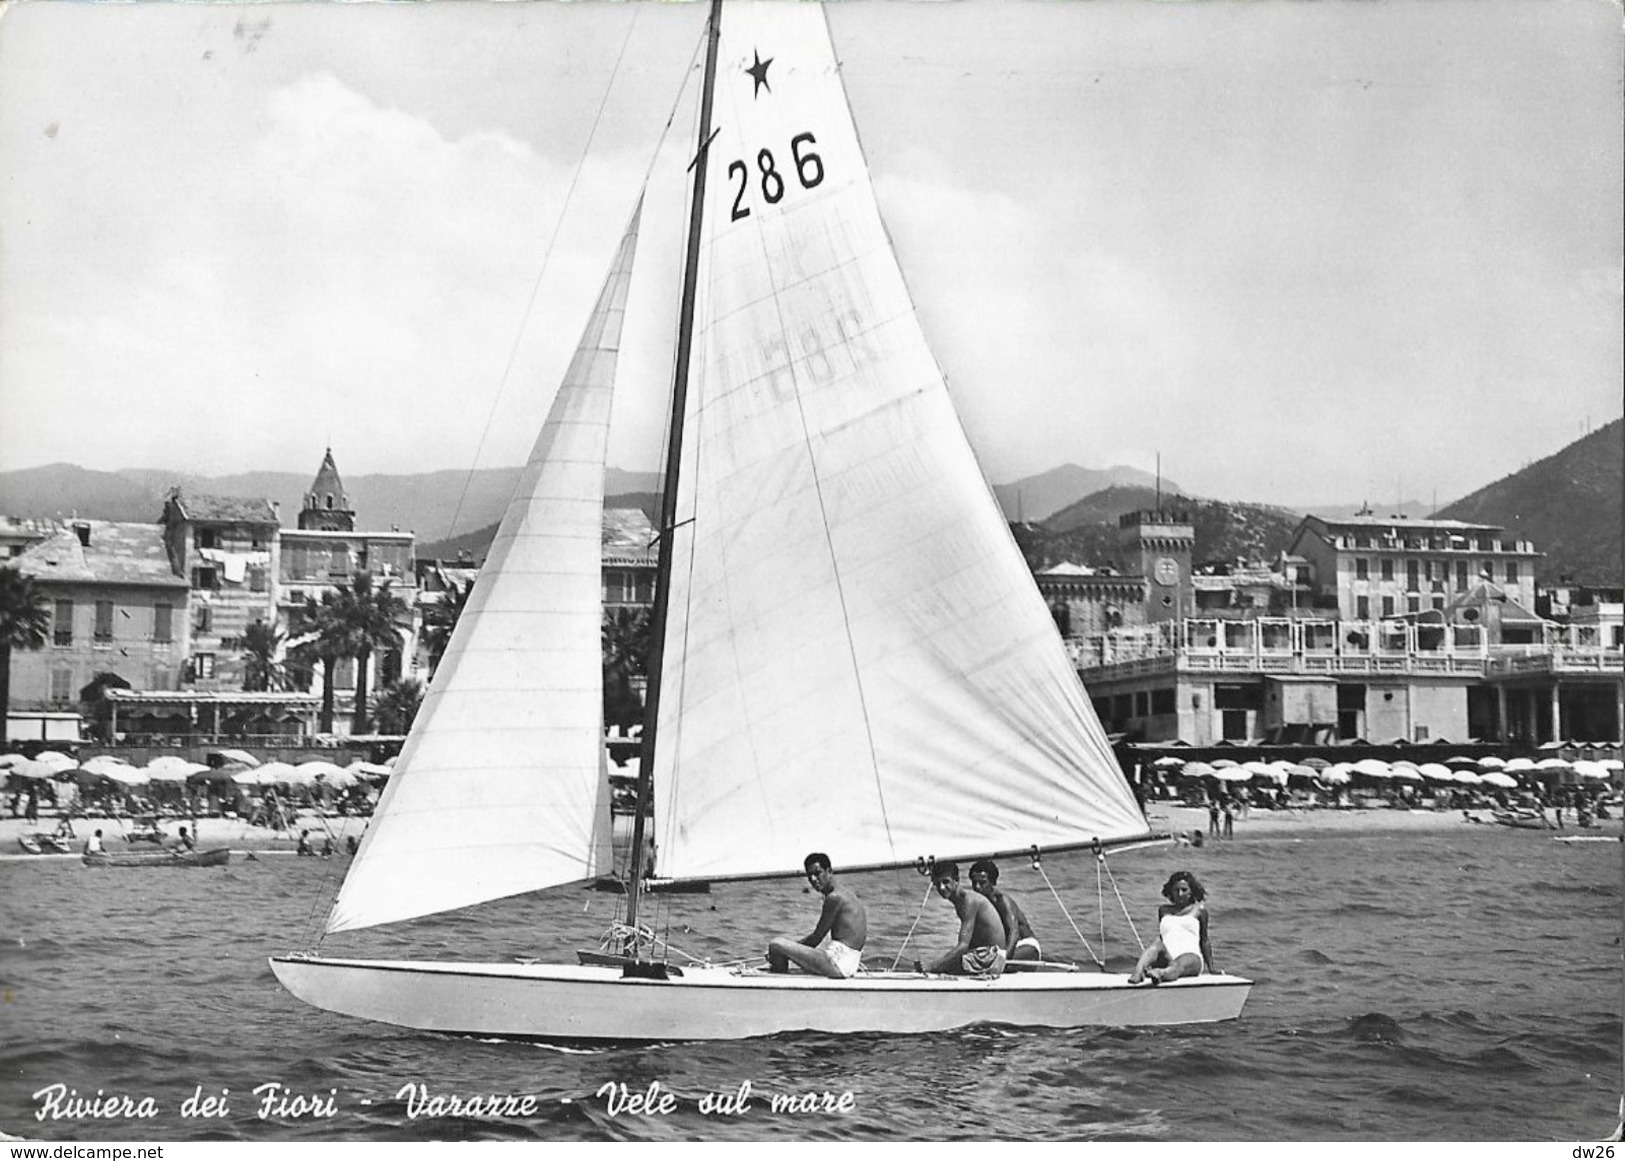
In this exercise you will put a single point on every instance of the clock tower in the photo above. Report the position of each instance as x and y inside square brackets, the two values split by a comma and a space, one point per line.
[1157, 547]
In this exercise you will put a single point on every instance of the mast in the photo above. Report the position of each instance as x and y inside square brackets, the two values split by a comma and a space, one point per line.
[668, 495]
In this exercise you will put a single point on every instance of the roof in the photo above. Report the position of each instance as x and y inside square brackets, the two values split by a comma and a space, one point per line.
[1481, 594]
[1066, 568]
[1403, 522]
[118, 554]
[628, 536]
[238, 509]
[327, 483]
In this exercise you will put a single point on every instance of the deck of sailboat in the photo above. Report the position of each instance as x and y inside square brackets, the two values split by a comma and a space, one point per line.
[579, 1002]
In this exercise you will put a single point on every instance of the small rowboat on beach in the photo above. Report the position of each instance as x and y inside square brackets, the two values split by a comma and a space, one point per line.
[40, 843]
[211, 858]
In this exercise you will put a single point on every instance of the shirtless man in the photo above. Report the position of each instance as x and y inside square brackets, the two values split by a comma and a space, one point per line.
[1019, 940]
[980, 948]
[842, 919]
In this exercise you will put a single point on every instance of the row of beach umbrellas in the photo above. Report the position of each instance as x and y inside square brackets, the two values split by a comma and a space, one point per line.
[242, 769]
[1458, 771]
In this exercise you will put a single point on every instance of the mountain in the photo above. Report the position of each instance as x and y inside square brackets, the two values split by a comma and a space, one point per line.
[478, 543]
[1086, 532]
[1568, 504]
[432, 504]
[1040, 497]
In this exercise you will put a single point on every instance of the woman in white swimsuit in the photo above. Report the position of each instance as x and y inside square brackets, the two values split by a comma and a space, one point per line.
[1181, 948]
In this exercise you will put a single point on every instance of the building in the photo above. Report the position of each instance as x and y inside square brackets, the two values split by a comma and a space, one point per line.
[1369, 566]
[118, 605]
[20, 533]
[227, 548]
[1377, 630]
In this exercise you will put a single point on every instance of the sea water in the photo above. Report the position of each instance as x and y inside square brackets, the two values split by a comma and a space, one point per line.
[1450, 985]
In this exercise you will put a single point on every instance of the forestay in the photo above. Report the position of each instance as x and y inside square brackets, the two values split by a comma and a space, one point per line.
[857, 658]
[501, 786]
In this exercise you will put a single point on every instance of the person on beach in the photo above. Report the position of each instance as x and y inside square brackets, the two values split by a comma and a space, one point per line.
[304, 843]
[93, 844]
[1229, 820]
[979, 951]
[1213, 817]
[1019, 940]
[186, 842]
[1182, 947]
[843, 919]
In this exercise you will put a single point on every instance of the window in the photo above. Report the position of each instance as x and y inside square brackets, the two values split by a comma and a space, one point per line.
[61, 685]
[1388, 606]
[1238, 697]
[208, 538]
[163, 618]
[339, 562]
[205, 578]
[1413, 580]
[1461, 576]
[1438, 602]
[1387, 569]
[256, 580]
[1362, 569]
[104, 621]
[62, 624]
[1162, 701]
[1413, 604]
[202, 666]
[1142, 703]
[1512, 572]
[1362, 608]
[204, 619]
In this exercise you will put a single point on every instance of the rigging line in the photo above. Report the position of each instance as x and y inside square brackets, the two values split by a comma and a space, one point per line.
[918, 915]
[1059, 902]
[541, 273]
[1120, 902]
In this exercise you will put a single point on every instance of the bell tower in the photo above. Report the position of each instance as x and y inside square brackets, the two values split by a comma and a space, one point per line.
[1158, 547]
[326, 508]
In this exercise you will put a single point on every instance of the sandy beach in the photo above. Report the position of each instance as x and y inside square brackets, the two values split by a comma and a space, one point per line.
[1165, 817]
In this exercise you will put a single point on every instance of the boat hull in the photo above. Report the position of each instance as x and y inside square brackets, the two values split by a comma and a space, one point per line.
[212, 858]
[590, 1003]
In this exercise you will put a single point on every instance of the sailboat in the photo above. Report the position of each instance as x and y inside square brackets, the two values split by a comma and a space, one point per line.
[852, 652]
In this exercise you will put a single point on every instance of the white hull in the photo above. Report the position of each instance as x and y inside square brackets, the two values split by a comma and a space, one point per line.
[587, 1003]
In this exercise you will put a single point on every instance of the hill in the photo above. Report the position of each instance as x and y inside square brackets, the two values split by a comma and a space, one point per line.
[478, 543]
[432, 504]
[1568, 504]
[1040, 497]
[1086, 532]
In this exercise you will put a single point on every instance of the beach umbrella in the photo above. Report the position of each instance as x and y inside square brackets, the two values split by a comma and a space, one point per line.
[56, 759]
[168, 765]
[1165, 761]
[1459, 760]
[1496, 778]
[316, 768]
[29, 771]
[1372, 768]
[1588, 769]
[104, 763]
[1258, 769]
[1405, 772]
[7, 761]
[213, 776]
[125, 775]
[1231, 773]
[1197, 770]
[377, 769]
[1336, 775]
[1465, 777]
[1491, 763]
[273, 774]
[1436, 772]
[1519, 764]
[1611, 764]
[1315, 763]
[239, 756]
[1223, 763]
[1557, 764]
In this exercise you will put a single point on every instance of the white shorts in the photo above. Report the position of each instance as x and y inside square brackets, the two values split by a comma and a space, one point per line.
[846, 959]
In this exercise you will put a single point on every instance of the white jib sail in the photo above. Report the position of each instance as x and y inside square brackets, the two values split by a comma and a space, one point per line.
[858, 660]
[501, 786]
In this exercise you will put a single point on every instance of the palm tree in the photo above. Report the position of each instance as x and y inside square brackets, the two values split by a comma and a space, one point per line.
[398, 704]
[25, 623]
[368, 616]
[440, 619]
[625, 641]
[263, 670]
[319, 638]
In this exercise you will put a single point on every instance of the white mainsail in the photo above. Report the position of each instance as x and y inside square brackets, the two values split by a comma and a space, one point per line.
[502, 787]
[856, 658]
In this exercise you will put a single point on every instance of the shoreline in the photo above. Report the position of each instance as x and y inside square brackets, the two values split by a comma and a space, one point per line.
[237, 836]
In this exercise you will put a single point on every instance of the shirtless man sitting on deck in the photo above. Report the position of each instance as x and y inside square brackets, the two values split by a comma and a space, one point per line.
[1019, 940]
[843, 920]
[980, 948]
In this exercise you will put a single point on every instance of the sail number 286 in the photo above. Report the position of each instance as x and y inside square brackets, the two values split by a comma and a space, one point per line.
[809, 171]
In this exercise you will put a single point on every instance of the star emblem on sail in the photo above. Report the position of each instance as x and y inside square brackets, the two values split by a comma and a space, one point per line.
[758, 73]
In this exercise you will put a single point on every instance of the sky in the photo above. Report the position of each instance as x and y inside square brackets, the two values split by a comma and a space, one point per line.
[1302, 252]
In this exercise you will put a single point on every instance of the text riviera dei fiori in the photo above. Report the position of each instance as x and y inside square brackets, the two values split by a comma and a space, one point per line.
[275, 1101]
